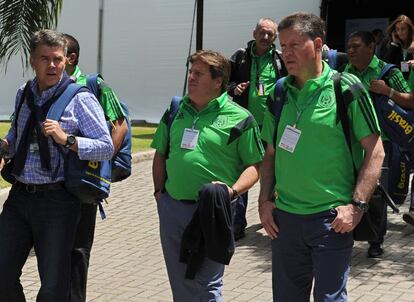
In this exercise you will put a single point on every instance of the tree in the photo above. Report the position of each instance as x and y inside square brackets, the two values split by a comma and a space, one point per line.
[19, 19]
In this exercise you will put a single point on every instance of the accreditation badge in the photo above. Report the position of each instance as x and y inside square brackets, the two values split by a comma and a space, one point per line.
[260, 89]
[33, 146]
[290, 138]
[405, 67]
[190, 139]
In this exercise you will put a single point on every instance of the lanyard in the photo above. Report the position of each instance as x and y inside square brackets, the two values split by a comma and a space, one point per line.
[314, 96]
[299, 112]
[257, 65]
[194, 122]
[404, 53]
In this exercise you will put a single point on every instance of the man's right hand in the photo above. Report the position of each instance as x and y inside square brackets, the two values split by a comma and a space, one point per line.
[158, 195]
[241, 87]
[4, 148]
[266, 217]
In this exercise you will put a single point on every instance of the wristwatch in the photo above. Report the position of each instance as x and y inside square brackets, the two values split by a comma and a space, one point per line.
[361, 204]
[70, 140]
[235, 194]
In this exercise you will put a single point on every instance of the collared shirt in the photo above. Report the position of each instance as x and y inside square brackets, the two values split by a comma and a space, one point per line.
[107, 98]
[411, 79]
[394, 78]
[228, 142]
[262, 71]
[318, 175]
[82, 117]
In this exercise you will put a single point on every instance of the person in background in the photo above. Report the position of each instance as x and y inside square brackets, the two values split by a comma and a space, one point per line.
[398, 47]
[86, 227]
[254, 71]
[364, 64]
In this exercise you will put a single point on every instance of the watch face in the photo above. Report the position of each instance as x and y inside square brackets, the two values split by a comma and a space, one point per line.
[364, 206]
[70, 140]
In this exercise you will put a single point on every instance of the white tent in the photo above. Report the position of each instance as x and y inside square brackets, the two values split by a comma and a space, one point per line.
[145, 44]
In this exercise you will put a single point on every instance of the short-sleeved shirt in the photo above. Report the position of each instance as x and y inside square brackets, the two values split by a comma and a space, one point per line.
[319, 174]
[228, 142]
[262, 70]
[394, 78]
[107, 98]
[411, 78]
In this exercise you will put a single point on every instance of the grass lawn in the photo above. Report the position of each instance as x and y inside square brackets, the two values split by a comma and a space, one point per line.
[141, 140]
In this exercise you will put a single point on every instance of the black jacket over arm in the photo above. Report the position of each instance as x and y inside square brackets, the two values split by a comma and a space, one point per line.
[210, 231]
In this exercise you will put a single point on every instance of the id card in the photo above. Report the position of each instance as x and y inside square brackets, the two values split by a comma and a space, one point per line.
[34, 147]
[290, 138]
[190, 139]
[405, 67]
[260, 89]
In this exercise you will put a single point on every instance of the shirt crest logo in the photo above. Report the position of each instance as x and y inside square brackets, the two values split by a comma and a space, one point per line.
[325, 101]
[220, 122]
[179, 116]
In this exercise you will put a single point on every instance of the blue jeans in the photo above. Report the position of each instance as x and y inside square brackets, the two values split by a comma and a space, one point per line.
[306, 249]
[207, 285]
[43, 220]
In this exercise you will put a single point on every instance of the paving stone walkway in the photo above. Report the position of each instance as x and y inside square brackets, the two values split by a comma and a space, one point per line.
[127, 263]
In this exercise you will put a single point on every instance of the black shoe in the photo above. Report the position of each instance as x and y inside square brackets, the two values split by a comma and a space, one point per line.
[409, 217]
[375, 251]
[239, 235]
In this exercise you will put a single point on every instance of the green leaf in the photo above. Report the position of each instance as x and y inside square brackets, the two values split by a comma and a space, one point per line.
[19, 19]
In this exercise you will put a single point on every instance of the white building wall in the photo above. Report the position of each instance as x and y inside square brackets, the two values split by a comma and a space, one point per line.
[145, 44]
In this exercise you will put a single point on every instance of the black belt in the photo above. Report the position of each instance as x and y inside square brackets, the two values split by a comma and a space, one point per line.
[32, 188]
[187, 201]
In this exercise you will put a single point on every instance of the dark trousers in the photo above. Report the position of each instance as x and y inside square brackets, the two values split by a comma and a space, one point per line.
[239, 218]
[384, 183]
[43, 220]
[81, 253]
[308, 249]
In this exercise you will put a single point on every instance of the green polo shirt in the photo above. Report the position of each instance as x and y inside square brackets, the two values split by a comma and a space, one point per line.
[108, 99]
[411, 79]
[394, 78]
[318, 175]
[262, 69]
[228, 142]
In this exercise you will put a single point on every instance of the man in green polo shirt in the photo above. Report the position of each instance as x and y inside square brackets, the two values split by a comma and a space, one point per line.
[211, 139]
[254, 71]
[86, 227]
[367, 67]
[310, 170]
